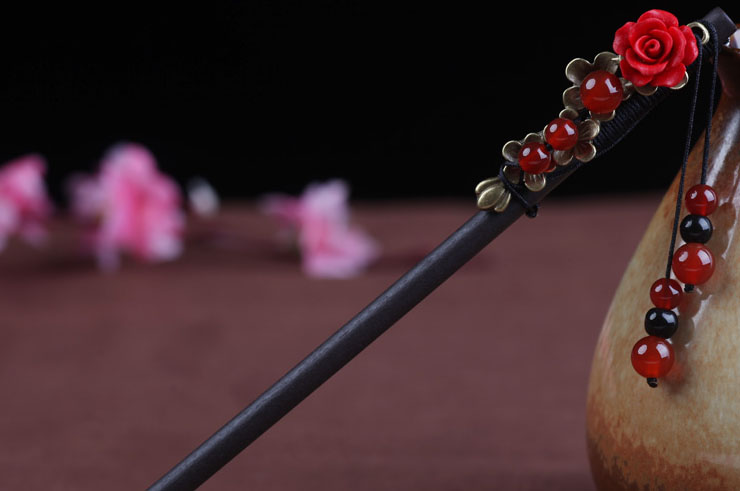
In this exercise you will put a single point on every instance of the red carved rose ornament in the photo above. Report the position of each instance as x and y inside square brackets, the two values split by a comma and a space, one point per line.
[655, 50]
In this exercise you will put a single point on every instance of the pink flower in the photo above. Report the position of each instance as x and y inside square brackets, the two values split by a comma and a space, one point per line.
[24, 205]
[136, 208]
[330, 246]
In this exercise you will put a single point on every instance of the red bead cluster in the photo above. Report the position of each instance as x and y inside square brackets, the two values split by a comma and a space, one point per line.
[601, 93]
[536, 157]
[693, 264]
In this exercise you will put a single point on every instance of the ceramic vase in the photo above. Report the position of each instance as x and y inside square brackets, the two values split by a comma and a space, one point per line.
[685, 433]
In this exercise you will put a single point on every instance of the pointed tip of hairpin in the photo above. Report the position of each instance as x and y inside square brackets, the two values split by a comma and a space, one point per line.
[652, 382]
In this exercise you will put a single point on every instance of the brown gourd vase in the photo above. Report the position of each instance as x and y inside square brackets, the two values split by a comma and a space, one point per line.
[685, 433]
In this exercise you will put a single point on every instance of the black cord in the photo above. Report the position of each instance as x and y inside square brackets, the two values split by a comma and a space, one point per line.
[687, 149]
[710, 112]
[529, 209]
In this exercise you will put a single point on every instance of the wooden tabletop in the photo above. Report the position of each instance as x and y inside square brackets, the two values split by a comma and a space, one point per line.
[107, 380]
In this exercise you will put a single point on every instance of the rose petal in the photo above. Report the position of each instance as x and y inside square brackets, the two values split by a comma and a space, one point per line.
[621, 38]
[670, 77]
[691, 51]
[654, 47]
[650, 69]
[679, 46]
[648, 48]
[666, 17]
[642, 28]
[682, 83]
[642, 45]
[637, 78]
[666, 42]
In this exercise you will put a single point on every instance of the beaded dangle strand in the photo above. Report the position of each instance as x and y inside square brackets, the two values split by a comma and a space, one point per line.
[568, 140]
[692, 264]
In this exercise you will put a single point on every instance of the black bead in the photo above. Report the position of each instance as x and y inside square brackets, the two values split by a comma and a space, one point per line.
[661, 322]
[696, 228]
[652, 382]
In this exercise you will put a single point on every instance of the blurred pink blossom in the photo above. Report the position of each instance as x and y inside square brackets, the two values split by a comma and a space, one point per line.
[24, 204]
[135, 208]
[330, 246]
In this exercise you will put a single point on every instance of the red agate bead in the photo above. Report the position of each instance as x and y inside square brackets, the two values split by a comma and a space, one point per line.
[534, 158]
[652, 357]
[666, 293]
[601, 92]
[561, 134]
[693, 263]
[701, 200]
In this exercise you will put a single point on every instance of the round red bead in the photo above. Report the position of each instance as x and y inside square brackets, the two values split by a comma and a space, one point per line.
[701, 200]
[693, 263]
[601, 92]
[652, 357]
[534, 158]
[666, 293]
[561, 134]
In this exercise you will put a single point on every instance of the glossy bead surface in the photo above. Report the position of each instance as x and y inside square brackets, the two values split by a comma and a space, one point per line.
[601, 92]
[693, 263]
[661, 322]
[701, 200]
[652, 357]
[561, 134]
[534, 158]
[666, 293]
[696, 228]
